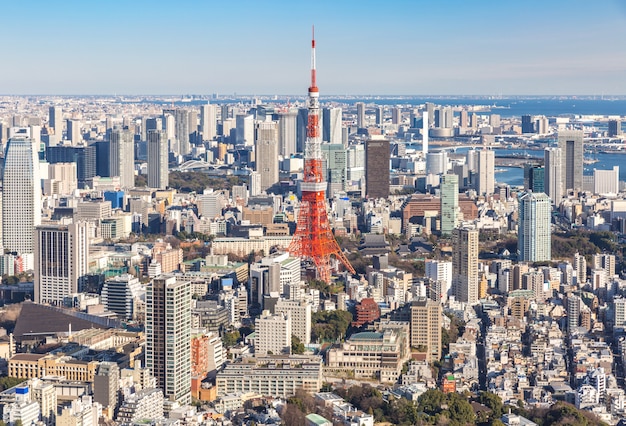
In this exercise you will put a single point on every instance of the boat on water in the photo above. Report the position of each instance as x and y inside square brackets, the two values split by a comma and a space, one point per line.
[590, 160]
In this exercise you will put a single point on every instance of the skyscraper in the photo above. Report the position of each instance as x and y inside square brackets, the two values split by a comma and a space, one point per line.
[527, 124]
[244, 133]
[287, 133]
[83, 156]
[426, 327]
[331, 125]
[485, 181]
[266, 160]
[122, 157]
[168, 336]
[465, 265]
[449, 203]
[55, 120]
[534, 229]
[571, 144]
[553, 174]
[73, 132]
[61, 260]
[336, 167]
[534, 178]
[157, 159]
[21, 194]
[360, 114]
[208, 121]
[377, 157]
[615, 128]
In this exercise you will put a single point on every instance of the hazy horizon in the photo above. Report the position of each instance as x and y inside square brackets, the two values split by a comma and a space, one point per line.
[364, 48]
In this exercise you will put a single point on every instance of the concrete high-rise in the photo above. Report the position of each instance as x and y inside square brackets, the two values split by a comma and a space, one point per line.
[21, 194]
[377, 155]
[55, 120]
[465, 265]
[331, 125]
[73, 132]
[449, 203]
[527, 124]
[208, 121]
[273, 334]
[534, 178]
[534, 228]
[266, 160]
[61, 261]
[571, 144]
[335, 157]
[426, 327]
[485, 181]
[615, 128]
[553, 174]
[84, 157]
[287, 133]
[244, 131]
[360, 114]
[122, 157]
[157, 159]
[168, 336]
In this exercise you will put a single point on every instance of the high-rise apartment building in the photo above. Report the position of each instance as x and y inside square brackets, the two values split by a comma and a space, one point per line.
[553, 174]
[266, 160]
[534, 228]
[580, 267]
[485, 180]
[21, 193]
[377, 157]
[465, 265]
[158, 174]
[299, 311]
[168, 336]
[273, 334]
[208, 121]
[571, 144]
[449, 203]
[122, 157]
[61, 260]
[426, 327]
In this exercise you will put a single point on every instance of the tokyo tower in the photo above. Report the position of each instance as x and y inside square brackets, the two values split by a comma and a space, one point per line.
[313, 238]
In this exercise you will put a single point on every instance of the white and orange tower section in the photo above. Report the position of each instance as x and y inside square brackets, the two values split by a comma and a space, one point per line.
[313, 239]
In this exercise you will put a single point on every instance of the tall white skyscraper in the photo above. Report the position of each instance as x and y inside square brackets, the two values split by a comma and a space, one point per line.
[61, 260]
[553, 174]
[157, 159]
[534, 229]
[571, 144]
[266, 158]
[465, 265]
[485, 181]
[331, 123]
[168, 336]
[21, 194]
[425, 126]
[208, 121]
[449, 203]
[287, 133]
[122, 157]
[55, 120]
[244, 131]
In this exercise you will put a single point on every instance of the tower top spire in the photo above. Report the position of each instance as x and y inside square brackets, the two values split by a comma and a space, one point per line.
[313, 87]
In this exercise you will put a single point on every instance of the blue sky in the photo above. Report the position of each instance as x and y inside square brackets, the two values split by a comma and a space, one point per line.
[410, 47]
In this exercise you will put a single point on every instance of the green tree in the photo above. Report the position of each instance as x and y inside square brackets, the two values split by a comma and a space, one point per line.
[230, 338]
[493, 401]
[297, 347]
[9, 382]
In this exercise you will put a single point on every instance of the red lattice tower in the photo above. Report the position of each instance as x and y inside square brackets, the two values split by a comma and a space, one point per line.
[313, 238]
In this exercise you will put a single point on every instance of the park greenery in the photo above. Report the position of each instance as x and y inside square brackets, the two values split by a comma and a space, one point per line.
[197, 181]
[329, 326]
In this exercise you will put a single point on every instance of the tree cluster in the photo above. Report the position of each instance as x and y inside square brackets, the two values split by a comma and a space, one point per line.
[330, 326]
[445, 408]
[558, 414]
[197, 181]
